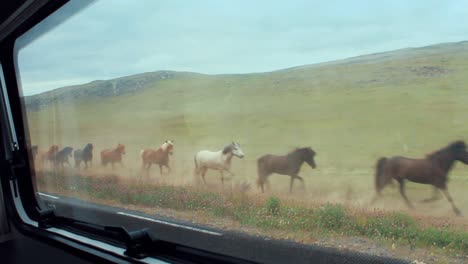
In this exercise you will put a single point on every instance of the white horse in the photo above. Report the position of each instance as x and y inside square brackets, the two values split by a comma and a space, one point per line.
[217, 160]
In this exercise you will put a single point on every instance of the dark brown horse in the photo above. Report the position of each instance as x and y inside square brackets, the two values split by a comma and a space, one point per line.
[113, 155]
[289, 164]
[84, 155]
[431, 170]
[62, 156]
[48, 156]
[158, 156]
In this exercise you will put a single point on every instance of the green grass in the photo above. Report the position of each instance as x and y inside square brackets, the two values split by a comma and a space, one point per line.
[334, 219]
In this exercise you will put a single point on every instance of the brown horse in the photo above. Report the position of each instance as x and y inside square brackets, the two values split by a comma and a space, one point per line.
[158, 156]
[113, 155]
[289, 164]
[49, 155]
[431, 170]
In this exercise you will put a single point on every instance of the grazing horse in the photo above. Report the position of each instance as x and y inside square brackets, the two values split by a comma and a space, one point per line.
[289, 164]
[113, 155]
[158, 156]
[49, 155]
[84, 155]
[431, 170]
[217, 160]
[62, 156]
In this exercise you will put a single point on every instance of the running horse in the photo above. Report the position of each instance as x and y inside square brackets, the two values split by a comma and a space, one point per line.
[84, 155]
[158, 156]
[217, 160]
[431, 170]
[113, 155]
[49, 155]
[62, 156]
[288, 164]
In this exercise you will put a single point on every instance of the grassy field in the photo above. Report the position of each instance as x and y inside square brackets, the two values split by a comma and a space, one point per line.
[351, 112]
[280, 216]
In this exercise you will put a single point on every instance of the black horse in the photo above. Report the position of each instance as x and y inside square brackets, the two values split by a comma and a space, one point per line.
[431, 170]
[289, 164]
[62, 156]
[84, 155]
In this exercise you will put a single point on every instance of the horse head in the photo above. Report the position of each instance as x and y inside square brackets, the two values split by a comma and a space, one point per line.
[89, 147]
[308, 155]
[459, 149]
[53, 148]
[121, 148]
[235, 149]
[168, 146]
[68, 151]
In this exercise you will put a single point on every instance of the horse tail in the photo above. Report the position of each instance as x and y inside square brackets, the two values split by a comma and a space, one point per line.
[379, 180]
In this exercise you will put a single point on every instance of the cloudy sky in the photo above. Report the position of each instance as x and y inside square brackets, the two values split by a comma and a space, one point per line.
[113, 38]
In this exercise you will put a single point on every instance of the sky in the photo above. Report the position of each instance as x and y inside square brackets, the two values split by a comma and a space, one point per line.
[114, 38]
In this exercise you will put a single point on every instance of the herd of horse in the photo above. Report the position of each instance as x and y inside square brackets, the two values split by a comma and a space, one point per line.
[432, 169]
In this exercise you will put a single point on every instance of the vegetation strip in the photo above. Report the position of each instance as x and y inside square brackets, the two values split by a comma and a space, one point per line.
[265, 213]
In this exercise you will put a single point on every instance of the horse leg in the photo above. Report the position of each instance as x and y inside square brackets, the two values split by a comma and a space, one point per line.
[203, 172]
[403, 194]
[301, 179]
[435, 196]
[222, 177]
[268, 186]
[160, 170]
[148, 166]
[449, 198]
[291, 184]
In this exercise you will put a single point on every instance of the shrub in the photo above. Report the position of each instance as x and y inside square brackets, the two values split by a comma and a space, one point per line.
[273, 205]
[331, 216]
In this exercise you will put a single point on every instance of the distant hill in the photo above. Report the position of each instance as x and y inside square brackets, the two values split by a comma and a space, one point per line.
[138, 83]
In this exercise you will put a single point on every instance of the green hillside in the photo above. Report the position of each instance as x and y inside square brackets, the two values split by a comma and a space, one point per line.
[406, 102]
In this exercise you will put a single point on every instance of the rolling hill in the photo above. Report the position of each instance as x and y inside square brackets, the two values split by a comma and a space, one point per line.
[405, 102]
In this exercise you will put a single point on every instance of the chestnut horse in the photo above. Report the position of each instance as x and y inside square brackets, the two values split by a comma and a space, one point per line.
[113, 155]
[431, 170]
[158, 156]
[289, 164]
[49, 155]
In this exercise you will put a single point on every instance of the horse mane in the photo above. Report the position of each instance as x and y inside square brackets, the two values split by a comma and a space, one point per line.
[454, 146]
[227, 149]
[168, 143]
[88, 146]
